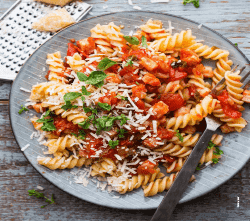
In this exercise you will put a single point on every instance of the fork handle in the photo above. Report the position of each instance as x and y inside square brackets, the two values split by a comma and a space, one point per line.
[174, 194]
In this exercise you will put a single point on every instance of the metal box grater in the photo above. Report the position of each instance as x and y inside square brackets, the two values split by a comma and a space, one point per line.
[17, 38]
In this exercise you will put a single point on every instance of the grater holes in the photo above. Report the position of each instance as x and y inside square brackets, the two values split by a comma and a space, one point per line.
[68, 9]
[16, 72]
[72, 13]
[80, 9]
[10, 18]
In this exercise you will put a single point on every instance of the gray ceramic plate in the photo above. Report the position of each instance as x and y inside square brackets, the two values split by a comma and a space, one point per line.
[235, 145]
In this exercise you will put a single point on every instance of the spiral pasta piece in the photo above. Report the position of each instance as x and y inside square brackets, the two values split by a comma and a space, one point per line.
[76, 62]
[159, 185]
[178, 40]
[43, 90]
[200, 111]
[188, 140]
[137, 181]
[107, 37]
[74, 115]
[176, 165]
[238, 124]
[170, 87]
[107, 165]
[154, 29]
[62, 162]
[234, 85]
[200, 84]
[175, 150]
[208, 155]
[60, 144]
[207, 52]
[56, 66]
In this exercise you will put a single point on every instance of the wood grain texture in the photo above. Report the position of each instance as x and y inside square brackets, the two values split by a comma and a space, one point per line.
[229, 18]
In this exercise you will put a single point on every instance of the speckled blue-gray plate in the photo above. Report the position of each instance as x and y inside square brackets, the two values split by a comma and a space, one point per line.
[235, 146]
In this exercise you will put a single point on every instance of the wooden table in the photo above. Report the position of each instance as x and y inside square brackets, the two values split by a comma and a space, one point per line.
[230, 18]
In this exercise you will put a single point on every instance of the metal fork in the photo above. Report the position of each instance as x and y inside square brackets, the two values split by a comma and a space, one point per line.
[169, 202]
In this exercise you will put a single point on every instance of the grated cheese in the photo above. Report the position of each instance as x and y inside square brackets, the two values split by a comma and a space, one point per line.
[25, 147]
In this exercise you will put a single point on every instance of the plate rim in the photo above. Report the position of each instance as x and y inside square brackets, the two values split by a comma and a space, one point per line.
[106, 14]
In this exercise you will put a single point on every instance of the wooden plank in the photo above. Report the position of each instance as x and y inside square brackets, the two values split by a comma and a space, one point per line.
[17, 176]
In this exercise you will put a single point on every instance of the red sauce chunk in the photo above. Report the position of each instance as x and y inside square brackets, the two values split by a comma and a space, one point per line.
[229, 110]
[174, 101]
[64, 126]
[165, 133]
[109, 98]
[147, 167]
[72, 49]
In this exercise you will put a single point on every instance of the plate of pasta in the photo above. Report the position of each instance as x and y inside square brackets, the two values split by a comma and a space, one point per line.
[111, 107]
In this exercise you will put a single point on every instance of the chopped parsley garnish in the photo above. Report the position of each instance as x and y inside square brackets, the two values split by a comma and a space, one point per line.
[129, 63]
[95, 78]
[137, 83]
[198, 167]
[122, 97]
[210, 145]
[23, 109]
[84, 91]
[104, 106]
[236, 44]
[68, 106]
[121, 133]
[179, 135]
[113, 143]
[195, 2]
[85, 124]
[105, 63]
[215, 160]
[81, 135]
[47, 122]
[88, 109]
[132, 40]
[217, 151]
[144, 42]
[41, 195]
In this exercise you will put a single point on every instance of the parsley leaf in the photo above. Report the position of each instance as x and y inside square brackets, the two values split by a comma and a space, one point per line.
[105, 63]
[218, 152]
[68, 106]
[96, 77]
[71, 96]
[104, 106]
[22, 109]
[179, 135]
[210, 145]
[129, 63]
[195, 2]
[121, 133]
[144, 42]
[100, 84]
[215, 160]
[81, 76]
[48, 123]
[84, 91]
[85, 124]
[236, 44]
[198, 167]
[131, 40]
[137, 83]
[41, 195]
[113, 144]
[122, 97]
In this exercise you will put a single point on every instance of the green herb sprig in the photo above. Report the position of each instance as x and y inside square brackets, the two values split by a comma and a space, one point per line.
[113, 143]
[181, 138]
[41, 195]
[195, 2]
[23, 109]
[48, 122]
[132, 40]
[144, 42]
[105, 63]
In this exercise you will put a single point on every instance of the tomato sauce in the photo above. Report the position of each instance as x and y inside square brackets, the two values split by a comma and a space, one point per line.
[64, 126]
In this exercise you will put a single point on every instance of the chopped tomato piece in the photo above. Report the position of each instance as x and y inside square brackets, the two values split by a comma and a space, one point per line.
[208, 72]
[174, 101]
[190, 57]
[72, 49]
[113, 78]
[198, 69]
[165, 133]
[109, 98]
[148, 63]
[175, 75]
[139, 91]
[87, 46]
[151, 80]
[147, 167]
[140, 104]
[64, 126]
[228, 109]
[152, 89]
[160, 109]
